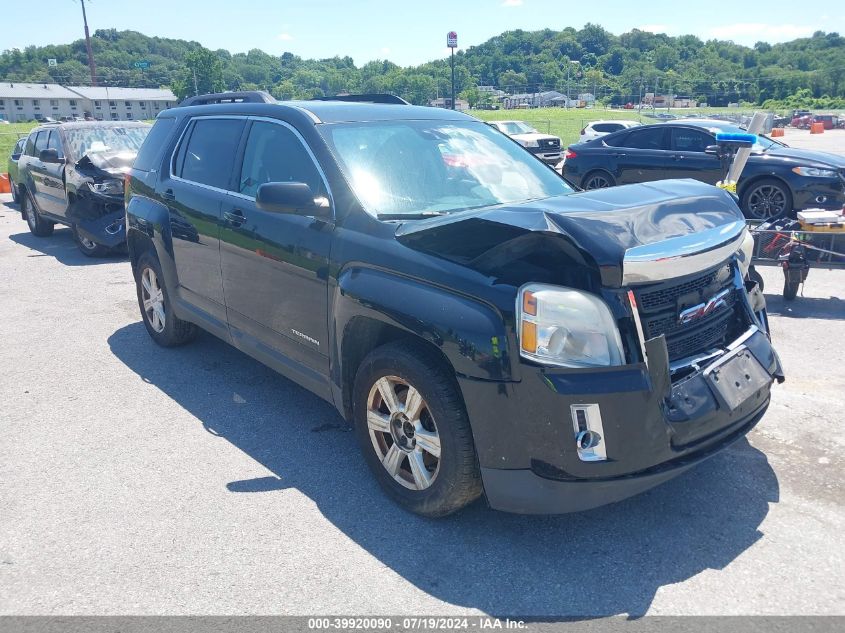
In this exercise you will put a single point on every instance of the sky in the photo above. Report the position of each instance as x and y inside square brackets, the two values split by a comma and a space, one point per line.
[407, 33]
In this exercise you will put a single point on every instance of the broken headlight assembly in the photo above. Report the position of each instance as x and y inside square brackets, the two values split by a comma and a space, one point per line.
[107, 187]
[564, 327]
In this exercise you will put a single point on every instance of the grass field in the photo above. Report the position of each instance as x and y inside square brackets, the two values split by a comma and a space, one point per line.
[567, 124]
[9, 134]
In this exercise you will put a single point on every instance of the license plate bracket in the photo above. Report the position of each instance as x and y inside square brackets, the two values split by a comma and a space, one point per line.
[738, 378]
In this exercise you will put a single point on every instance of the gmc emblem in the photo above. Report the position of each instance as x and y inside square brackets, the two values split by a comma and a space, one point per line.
[703, 309]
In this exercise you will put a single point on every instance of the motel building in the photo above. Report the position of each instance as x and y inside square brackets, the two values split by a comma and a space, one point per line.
[36, 102]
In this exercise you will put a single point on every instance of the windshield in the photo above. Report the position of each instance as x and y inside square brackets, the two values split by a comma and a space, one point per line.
[418, 168]
[516, 127]
[86, 140]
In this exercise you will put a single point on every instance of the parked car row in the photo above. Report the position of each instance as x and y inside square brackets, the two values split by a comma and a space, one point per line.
[483, 327]
[777, 179]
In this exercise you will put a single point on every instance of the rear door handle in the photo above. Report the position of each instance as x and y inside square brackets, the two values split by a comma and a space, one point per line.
[235, 217]
[169, 195]
[618, 154]
[677, 156]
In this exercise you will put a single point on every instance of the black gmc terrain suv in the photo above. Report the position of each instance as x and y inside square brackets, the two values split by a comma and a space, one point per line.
[483, 327]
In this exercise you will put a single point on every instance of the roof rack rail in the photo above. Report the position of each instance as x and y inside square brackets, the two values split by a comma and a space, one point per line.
[243, 96]
[366, 98]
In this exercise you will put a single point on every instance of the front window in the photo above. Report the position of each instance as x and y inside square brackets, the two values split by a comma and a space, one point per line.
[111, 138]
[515, 127]
[418, 168]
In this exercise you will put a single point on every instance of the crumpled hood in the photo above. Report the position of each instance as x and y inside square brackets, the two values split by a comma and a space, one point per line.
[113, 163]
[603, 224]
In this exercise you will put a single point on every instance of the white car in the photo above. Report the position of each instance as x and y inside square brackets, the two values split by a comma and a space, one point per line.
[546, 147]
[597, 129]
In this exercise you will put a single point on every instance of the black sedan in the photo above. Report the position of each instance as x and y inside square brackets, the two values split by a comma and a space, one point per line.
[777, 179]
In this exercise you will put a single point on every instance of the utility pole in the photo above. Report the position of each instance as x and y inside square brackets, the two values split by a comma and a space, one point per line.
[91, 65]
[196, 90]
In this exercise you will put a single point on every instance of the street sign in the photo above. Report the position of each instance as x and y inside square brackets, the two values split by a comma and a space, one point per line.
[141, 64]
[452, 39]
[52, 62]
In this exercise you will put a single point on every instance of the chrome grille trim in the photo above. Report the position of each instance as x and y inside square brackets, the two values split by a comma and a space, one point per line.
[681, 256]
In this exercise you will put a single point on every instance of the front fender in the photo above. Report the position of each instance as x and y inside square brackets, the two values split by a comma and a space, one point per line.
[471, 334]
[151, 219]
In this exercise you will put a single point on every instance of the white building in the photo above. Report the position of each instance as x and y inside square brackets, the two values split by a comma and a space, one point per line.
[545, 99]
[26, 101]
[446, 102]
[32, 101]
[104, 103]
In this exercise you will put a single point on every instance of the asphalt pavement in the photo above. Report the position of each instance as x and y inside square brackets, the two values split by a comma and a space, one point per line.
[140, 480]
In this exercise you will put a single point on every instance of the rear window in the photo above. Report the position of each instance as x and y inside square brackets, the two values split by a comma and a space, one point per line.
[607, 127]
[208, 156]
[650, 138]
[150, 152]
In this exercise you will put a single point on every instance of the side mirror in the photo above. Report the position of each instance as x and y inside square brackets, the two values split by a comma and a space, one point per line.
[291, 197]
[50, 155]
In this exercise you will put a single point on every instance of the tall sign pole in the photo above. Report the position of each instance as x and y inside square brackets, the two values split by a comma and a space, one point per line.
[91, 65]
[452, 42]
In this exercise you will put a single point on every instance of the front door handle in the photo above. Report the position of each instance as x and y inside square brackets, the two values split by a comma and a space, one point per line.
[235, 217]
[677, 156]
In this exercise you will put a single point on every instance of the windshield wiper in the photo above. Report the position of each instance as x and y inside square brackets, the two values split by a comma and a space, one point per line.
[410, 216]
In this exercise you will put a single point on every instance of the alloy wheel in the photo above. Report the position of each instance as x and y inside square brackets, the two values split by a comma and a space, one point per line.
[29, 212]
[403, 432]
[153, 298]
[597, 182]
[766, 201]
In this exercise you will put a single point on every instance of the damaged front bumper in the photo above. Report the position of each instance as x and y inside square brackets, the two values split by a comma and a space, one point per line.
[100, 218]
[532, 453]
[565, 440]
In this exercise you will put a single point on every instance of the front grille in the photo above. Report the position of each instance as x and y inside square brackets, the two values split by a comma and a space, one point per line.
[550, 143]
[660, 306]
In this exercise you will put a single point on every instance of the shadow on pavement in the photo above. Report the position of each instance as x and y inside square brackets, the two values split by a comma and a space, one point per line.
[806, 307]
[607, 561]
[61, 246]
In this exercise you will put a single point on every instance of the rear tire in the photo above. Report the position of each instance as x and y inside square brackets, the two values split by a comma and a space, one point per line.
[163, 326]
[87, 247]
[598, 179]
[422, 453]
[38, 226]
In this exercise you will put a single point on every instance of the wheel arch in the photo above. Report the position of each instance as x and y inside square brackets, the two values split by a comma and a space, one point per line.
[744, 186]
[598, 170]
[373, 307]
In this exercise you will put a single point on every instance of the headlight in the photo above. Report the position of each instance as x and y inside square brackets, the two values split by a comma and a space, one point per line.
[745, 253]
[107, 187]
[815, 172]
[530, 143]
[568, 328]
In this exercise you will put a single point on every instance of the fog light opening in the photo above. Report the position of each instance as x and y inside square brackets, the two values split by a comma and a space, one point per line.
[821, 199]
[588, 432]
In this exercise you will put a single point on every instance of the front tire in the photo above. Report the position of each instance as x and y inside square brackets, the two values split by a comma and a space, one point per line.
[87, 247]
[163, 326]
[413, 429]
[766, 199]
[15, 196]
[38, 226]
